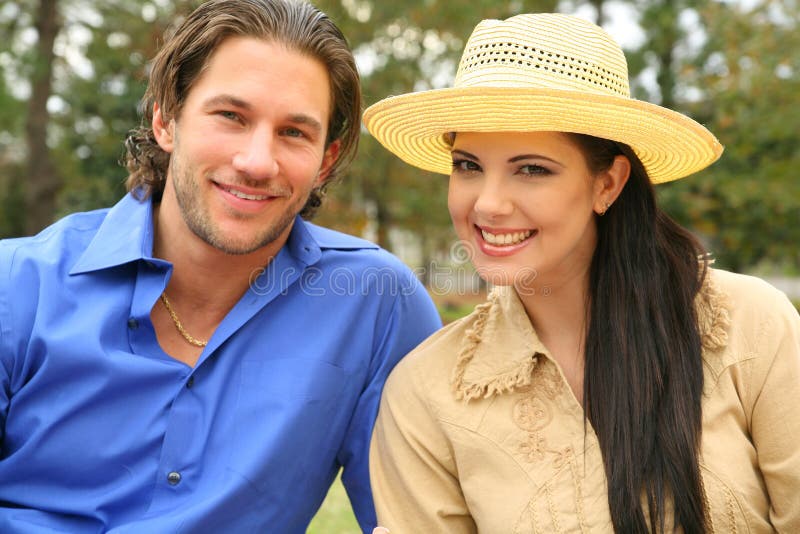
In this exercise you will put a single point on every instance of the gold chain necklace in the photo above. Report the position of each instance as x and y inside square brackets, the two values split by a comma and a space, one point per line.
[186, 335]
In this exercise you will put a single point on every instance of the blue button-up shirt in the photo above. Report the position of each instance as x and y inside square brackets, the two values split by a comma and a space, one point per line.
[101, 430]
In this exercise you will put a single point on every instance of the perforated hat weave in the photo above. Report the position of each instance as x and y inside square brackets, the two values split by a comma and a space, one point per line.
[541, 72]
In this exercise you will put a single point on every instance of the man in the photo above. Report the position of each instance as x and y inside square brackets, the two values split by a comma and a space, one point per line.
[199, 358]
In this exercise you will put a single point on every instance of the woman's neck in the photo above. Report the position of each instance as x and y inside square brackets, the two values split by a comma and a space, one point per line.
[559, 315]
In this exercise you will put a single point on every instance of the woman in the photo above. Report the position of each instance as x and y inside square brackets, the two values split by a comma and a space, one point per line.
[612, 381]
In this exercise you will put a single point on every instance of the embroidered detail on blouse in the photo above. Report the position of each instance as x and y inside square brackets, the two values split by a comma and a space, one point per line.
[562, 457]
[560, 504]
[531, 414]
[533, 448]
[553, 512]
[731, 513]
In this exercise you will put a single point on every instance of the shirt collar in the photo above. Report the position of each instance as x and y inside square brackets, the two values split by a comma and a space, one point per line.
[307, 241]
[501, 349]
[125, 235]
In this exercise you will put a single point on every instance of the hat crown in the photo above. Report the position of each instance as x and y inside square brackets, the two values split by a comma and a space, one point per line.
[544, 51]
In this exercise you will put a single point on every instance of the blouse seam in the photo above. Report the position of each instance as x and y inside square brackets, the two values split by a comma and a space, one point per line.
[500, 448]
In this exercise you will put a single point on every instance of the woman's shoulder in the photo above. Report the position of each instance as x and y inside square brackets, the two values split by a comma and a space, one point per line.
[745, 287]
[742, 317]
[747, 297]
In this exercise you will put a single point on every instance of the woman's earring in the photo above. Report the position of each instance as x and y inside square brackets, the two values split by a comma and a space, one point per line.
[605, 208]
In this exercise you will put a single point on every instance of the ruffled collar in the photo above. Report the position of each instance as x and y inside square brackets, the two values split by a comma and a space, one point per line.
[501, 349]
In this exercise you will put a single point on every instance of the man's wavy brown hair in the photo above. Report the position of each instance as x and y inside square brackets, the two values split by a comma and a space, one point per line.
[297, 25]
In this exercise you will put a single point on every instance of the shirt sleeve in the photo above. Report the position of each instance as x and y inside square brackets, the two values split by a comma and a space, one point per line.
[412, 319]
[5, 380]
[414, 476]
[5, 352]
[776, 415]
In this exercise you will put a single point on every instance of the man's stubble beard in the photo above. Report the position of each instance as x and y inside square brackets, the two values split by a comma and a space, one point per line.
[197, 217]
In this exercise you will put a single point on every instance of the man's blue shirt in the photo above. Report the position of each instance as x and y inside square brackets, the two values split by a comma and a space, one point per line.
[101, 430]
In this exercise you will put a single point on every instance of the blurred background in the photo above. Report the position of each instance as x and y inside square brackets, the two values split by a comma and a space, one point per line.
[72, 73]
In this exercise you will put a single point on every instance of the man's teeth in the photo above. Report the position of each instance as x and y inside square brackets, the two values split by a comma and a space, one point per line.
[245, 196]
[506, 239]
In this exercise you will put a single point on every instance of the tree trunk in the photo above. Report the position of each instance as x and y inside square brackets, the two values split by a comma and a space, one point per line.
[42, 183]
[383, 217]
[601, 16]
[666, 56]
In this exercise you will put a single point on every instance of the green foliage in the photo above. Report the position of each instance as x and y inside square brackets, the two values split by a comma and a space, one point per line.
[102, 109]
[747, 205]
[741, 80]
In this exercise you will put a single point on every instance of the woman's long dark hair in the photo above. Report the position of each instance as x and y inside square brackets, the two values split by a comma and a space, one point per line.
[643, 377]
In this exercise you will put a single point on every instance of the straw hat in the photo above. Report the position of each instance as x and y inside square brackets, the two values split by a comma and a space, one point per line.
[542, 72]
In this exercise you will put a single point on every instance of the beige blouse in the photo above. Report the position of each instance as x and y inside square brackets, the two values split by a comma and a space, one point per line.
[479, 431]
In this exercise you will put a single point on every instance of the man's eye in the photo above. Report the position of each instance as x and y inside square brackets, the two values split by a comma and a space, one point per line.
[293, 132]
[230, 115]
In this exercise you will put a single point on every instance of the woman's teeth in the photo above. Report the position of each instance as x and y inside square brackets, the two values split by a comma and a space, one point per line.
[506, 239]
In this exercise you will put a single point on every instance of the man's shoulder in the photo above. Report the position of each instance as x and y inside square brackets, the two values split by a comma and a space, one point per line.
[333, 239]
[65, 237]
[354, 251]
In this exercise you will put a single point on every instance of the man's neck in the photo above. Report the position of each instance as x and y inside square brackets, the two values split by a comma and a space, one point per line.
[203, 276]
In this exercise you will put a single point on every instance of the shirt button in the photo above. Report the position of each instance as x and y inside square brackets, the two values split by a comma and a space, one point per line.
[133, 324]
[173, 478]
[190, 382]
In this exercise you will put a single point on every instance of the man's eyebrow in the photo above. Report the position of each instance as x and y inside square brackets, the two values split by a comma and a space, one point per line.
[227, 100]
[311, 122]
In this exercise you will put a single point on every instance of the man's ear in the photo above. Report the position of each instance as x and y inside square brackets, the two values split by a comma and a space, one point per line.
[163, 132]
[609, 183]
[330, 157]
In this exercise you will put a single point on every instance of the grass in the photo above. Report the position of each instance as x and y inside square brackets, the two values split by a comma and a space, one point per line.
[335, 516]
[452, 307]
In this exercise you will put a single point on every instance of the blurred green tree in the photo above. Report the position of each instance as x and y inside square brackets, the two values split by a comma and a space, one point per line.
[743, 82]
[733, 69]
[78, 68]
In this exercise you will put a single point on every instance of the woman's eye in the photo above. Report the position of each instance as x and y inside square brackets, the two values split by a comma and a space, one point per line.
[465, 165]
[532, 170]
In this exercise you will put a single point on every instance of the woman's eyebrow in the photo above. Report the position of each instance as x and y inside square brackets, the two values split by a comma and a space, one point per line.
[465, 154]
[534, 156]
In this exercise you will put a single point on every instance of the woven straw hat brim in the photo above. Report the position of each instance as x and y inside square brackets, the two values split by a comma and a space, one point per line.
[412, 126]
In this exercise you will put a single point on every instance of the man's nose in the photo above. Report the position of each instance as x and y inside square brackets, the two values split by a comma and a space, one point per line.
[256, 157]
